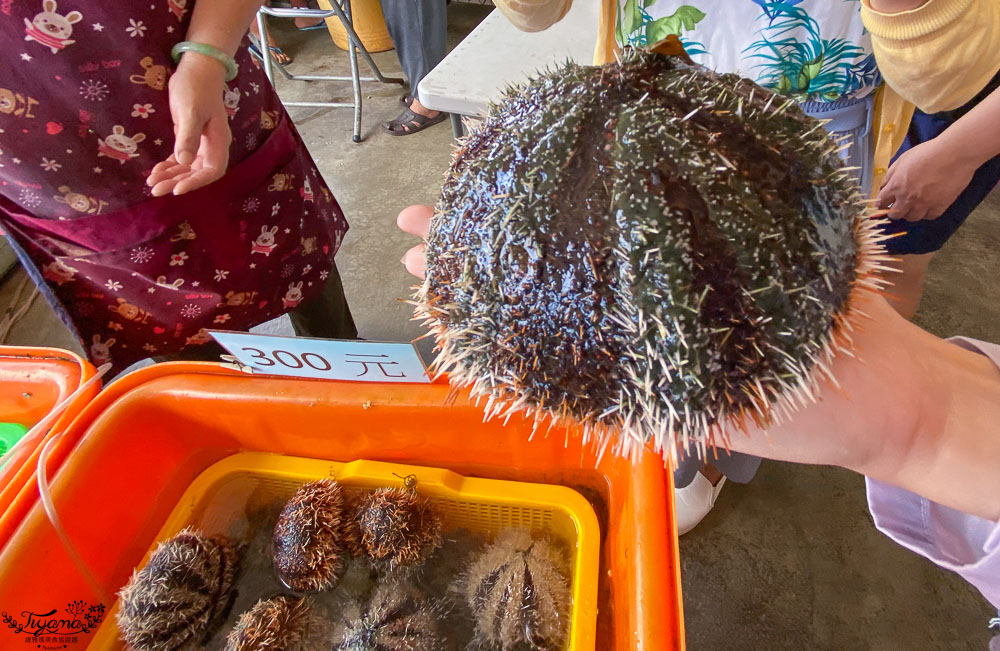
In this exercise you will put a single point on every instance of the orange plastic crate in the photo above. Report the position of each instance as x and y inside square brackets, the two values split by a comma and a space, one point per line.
[32, 382]
[145, 439]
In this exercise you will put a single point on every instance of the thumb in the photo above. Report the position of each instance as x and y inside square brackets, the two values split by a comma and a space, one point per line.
[188, 136]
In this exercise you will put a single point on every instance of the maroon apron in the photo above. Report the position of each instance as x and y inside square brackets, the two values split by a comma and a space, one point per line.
[137, 276]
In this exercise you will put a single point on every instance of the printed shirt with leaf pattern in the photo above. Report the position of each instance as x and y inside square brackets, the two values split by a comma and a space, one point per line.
[808, 49]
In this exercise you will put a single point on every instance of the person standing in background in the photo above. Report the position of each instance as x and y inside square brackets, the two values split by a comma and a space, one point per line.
[419, 31]
[943, 56]
[151, 182]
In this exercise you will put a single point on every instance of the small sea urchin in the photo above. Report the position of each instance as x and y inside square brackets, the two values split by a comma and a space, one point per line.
[282, 623]
[517, 593]
[396, 618]
[398, 527]
[649, 249]
[181, 594]
[309, 553]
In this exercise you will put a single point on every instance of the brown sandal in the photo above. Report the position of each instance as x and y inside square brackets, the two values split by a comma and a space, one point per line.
[410, 122]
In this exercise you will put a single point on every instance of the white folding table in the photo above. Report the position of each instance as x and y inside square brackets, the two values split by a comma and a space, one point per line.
[497, 54]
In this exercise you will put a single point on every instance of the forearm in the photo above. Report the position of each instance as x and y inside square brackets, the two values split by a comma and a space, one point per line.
[533, 15]
[954, 457]
[221, 23]
[910, 410]
[975, 137]
[896, 6]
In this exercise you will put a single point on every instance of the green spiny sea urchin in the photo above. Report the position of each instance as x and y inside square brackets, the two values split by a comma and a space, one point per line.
[398, 527]
[309, 553]
[517, 593]
[180, 595]
[396, 618]
[282, 623]
[648, 249]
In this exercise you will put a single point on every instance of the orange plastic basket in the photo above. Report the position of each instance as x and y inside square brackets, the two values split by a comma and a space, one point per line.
[145, 439]
[32, 382]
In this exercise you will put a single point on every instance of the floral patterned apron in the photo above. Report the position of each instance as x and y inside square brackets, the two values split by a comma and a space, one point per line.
[84, 116]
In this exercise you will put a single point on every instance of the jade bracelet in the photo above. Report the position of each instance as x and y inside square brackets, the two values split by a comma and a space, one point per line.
[210, 51]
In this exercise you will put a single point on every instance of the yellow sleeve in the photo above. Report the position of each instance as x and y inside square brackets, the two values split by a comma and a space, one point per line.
[940, 55]
[533, 15]
[889, 126]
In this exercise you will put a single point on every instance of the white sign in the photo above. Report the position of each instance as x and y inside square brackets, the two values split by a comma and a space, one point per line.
[326, 359]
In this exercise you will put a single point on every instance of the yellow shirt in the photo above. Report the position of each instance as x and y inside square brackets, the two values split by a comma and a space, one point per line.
[940, 55]
[892, 112]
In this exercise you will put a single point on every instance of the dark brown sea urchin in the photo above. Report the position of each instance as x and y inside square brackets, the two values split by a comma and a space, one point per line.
[518, 595]
[181, 594]
[398, 527]
[648, 249]
[309, 554]
[282, 623]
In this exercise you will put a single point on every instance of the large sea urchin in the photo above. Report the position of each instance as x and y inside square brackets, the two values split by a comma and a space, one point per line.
[646, 248]
[309, 554]
[180, 595]
[517, 593]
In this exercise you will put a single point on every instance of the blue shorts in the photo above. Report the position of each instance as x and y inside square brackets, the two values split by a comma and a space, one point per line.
[929, 235]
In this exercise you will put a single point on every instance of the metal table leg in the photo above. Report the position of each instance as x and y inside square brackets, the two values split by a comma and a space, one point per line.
[457, 127]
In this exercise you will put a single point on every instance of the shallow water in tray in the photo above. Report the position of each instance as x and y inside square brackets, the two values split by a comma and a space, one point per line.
[437, 579]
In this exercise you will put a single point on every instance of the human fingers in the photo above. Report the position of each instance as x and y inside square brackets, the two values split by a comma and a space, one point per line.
[188, 127]
[415, 220]
[169, 162]
[212, 159]
[165, 173]
[167, 185]
[415, 260]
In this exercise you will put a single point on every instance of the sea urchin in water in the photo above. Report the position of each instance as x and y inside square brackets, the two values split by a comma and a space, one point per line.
[182, 592]
[398, 527]
[517, 594]
[282, 623]
[396, 618]
[649, 249]
[309, 554]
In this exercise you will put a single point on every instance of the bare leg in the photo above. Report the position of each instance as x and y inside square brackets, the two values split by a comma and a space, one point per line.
[904, 293]
[303, 23]
[712, 474]
[279, 56]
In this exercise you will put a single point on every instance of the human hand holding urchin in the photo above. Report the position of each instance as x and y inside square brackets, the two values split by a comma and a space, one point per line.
[647, 249]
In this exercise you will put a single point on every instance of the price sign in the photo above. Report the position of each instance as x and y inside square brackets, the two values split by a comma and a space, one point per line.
[327, 359]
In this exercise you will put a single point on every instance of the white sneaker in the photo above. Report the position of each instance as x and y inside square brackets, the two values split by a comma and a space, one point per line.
[693, 502]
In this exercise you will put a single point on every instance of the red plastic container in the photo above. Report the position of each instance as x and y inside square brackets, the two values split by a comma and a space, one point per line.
[32, 382]
[145, 439]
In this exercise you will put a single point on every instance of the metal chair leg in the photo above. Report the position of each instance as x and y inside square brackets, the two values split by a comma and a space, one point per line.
[265, 49]
[341, 9]
[353, 35]
[353, 44]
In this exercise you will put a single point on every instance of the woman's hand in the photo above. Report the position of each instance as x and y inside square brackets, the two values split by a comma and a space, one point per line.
[201, 128]
[924, 181]
[415, 220]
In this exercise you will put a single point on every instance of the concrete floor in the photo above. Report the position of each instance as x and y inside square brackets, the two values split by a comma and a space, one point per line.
[789, 561]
